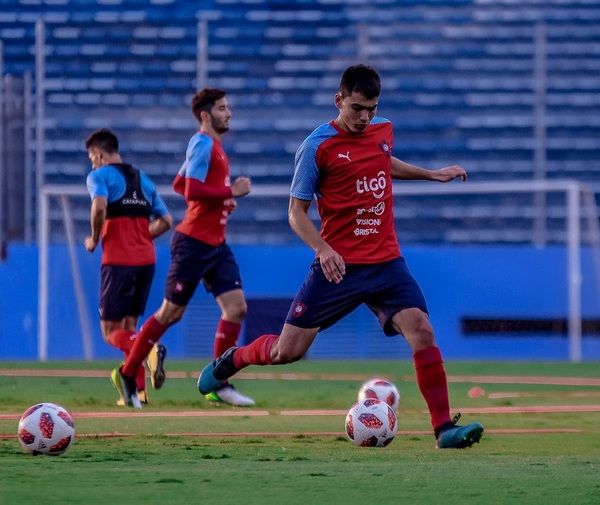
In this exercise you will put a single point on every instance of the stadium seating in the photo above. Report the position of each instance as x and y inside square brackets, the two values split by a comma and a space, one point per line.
[458, 81]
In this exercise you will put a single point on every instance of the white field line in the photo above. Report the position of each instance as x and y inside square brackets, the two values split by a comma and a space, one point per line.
[484, 379]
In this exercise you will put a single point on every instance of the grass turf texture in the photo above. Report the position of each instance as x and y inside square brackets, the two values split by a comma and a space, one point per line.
[153, 464]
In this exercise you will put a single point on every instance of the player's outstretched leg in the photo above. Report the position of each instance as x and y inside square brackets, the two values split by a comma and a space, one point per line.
[215, 374]
[452, 436]
[156, 365]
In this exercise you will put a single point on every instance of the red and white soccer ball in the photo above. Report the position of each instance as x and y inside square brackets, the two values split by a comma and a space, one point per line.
[371, 423]
[381, 389]
[46, 428]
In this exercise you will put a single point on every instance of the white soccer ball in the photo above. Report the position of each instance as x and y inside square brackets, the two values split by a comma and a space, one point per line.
[46, 428]
[371, 423]
[381, 389]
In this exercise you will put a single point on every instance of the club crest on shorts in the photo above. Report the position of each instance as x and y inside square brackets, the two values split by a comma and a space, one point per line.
[179, 287]
[299, 309]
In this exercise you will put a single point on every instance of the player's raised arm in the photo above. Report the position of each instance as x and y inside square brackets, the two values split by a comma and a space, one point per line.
[401, 170]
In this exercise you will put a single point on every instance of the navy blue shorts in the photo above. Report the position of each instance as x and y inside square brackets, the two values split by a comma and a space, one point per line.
[193, 261]
[385, 288]
[124, 291]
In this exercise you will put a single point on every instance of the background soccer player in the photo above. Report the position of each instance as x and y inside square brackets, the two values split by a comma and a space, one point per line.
[347, 164]
[198, 248]
[123, 202]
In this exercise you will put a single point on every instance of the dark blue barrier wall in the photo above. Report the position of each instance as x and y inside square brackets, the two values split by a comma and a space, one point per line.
[478, 282]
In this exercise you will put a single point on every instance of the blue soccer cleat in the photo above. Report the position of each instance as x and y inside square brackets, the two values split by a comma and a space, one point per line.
[451, 436]
[215, 374]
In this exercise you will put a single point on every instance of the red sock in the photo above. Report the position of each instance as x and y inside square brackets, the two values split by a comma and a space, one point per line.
[432, 382]
[148, 335]
[256, 353]
[122, 339]
[226, 336]
[140, 377]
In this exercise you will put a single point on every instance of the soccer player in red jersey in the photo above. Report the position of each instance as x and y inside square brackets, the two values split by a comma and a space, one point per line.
[124, 200]
[348, 165]
[199, 251]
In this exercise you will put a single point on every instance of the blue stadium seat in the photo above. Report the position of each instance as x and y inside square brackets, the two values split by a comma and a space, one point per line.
[458, 85]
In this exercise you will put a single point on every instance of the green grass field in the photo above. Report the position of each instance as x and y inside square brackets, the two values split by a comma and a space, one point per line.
[541, 445]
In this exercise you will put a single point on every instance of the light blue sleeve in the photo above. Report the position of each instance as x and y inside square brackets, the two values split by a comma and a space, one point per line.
[96, 185]
[197, 157]
[106, 181]
[157, 204]
[306, 172]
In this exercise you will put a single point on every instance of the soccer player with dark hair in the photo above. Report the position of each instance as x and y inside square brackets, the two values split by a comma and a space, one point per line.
[124, 201]
[199, 251]
[348, 165]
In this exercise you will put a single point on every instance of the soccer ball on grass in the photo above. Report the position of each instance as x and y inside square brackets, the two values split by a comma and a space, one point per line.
[381, 389]
[46, 428]
[371, 423]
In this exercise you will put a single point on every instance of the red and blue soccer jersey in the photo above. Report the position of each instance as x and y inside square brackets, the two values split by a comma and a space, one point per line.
[350, 176]
[126, 239]
[205, 218]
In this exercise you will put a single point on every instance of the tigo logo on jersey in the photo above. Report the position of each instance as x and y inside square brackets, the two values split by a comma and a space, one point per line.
[299, 309]
[376, 185]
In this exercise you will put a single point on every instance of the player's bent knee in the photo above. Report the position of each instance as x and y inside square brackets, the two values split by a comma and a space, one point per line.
[174, 319]
[236, 313]
[420, 337]
[169, 314]
[284, 356]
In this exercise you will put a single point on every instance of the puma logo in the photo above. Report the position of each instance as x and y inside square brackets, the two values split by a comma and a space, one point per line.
[347, 156]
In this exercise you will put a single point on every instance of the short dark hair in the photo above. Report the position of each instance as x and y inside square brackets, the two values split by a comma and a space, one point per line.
[205, 99]
[103, 139]
[360, 79]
